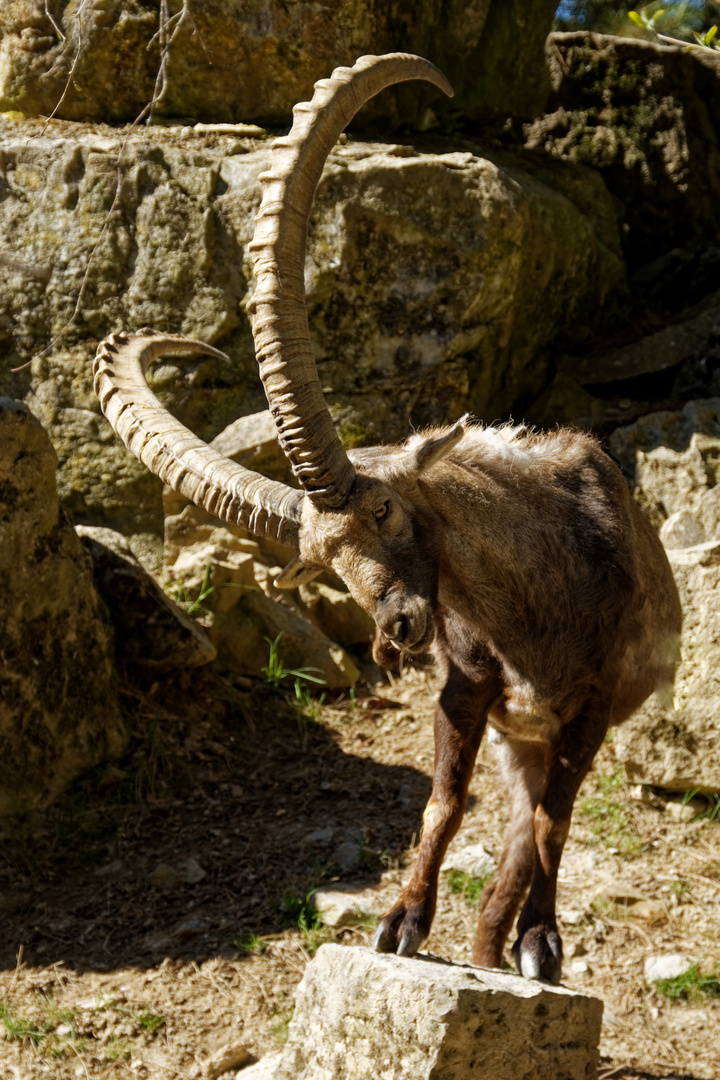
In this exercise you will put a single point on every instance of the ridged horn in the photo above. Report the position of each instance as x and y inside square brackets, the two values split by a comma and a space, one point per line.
[224, 488]
[282, 338]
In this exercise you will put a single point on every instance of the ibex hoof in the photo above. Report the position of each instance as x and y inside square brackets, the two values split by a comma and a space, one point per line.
[538, 954]
[401, 931]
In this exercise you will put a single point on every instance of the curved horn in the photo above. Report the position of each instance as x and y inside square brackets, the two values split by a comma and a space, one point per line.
[282, 338]
[186, 463]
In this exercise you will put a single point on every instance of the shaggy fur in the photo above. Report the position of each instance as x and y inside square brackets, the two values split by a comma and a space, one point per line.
[522, 561]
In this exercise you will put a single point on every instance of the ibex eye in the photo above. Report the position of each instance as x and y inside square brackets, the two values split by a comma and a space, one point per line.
[382, 511]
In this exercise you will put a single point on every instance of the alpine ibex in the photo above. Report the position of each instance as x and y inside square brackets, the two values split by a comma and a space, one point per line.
[518, 558]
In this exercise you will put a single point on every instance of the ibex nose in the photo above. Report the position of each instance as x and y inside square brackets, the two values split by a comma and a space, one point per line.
[394, 625]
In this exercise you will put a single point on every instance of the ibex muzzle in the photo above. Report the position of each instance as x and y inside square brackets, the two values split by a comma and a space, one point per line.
[546, 596]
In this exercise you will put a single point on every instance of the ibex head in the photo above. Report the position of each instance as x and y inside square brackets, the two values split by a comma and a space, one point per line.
[354, 515]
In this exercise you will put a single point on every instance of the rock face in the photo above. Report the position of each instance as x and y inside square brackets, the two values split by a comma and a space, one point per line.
[58, 706]
[648, 117]
[150, 630]
[359, 1014]
[673, 459]
[436, 283]
[231, 60]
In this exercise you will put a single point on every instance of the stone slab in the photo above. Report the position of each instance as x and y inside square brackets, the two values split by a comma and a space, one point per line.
[359, 1014]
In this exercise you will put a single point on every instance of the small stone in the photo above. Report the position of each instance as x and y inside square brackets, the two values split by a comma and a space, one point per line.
[684, 811]
[164, 877]
[473, 860]
[320, 836]
[579, 967]
[110, 870]
[232, 1056]
[190, 871]
[619, 901]
[571, 916]
[344, 905]
[666, 966]
[347, 855]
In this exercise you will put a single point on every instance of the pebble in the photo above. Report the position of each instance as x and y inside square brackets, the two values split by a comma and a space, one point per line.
[347, 855]
[473, 860]
[666, 966]
[320, 836]
[343, 905]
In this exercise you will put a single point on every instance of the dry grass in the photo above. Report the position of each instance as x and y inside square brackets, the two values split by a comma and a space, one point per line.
[105, 975]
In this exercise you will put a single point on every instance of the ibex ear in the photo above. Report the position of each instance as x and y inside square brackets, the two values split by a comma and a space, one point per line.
[426, 451]
[296, 573]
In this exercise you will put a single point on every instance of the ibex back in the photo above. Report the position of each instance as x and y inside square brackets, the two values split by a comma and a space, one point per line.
[519, 559]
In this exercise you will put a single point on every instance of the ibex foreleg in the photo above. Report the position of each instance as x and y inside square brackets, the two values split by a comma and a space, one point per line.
[460, 718]
[538, 948]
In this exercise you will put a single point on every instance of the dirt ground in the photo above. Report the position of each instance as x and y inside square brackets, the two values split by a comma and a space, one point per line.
[157, 919]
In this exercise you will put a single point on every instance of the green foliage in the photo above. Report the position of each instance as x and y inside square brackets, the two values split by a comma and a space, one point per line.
[194, 605]
[469, 887]
[254, 944]
[684, 21]
[680, 20]
[608, 819]
[17, 1027]
[300, 913]
[692, 986]
[280, 1027]
[150, 1022]
[712, 812]
[275, 670]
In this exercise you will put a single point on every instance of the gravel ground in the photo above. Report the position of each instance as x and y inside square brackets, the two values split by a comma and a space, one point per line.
[157, 919]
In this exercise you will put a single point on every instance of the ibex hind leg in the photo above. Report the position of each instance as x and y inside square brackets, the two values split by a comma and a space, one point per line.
[538, 948]
[460, 718]
[524, 777]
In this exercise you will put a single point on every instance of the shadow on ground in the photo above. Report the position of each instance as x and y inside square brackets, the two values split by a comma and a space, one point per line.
[229, 808]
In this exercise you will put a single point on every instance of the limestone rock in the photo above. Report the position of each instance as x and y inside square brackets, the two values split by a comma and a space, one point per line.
[679, 748]
[672, 461]
[150, 630]
[647, 116]
[345, 905]
[242, 636]
[436, 281]
[472, 859]
[682, 530]
[666, 966]
[336, 614]
[360, 1014]
[230, 60]
[59, 712]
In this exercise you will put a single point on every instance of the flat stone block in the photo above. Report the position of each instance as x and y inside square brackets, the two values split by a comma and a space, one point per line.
[361, 1015]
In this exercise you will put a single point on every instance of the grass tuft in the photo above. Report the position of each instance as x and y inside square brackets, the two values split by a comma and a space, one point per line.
[608, 819]
[692, 986]
[470, 887]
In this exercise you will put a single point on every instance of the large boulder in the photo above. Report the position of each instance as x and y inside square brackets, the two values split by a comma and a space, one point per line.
[436, 282]
[59, 711]
[230, 60]
[647, 116]
[673, 459]
[360, 1014]
[151, 631]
